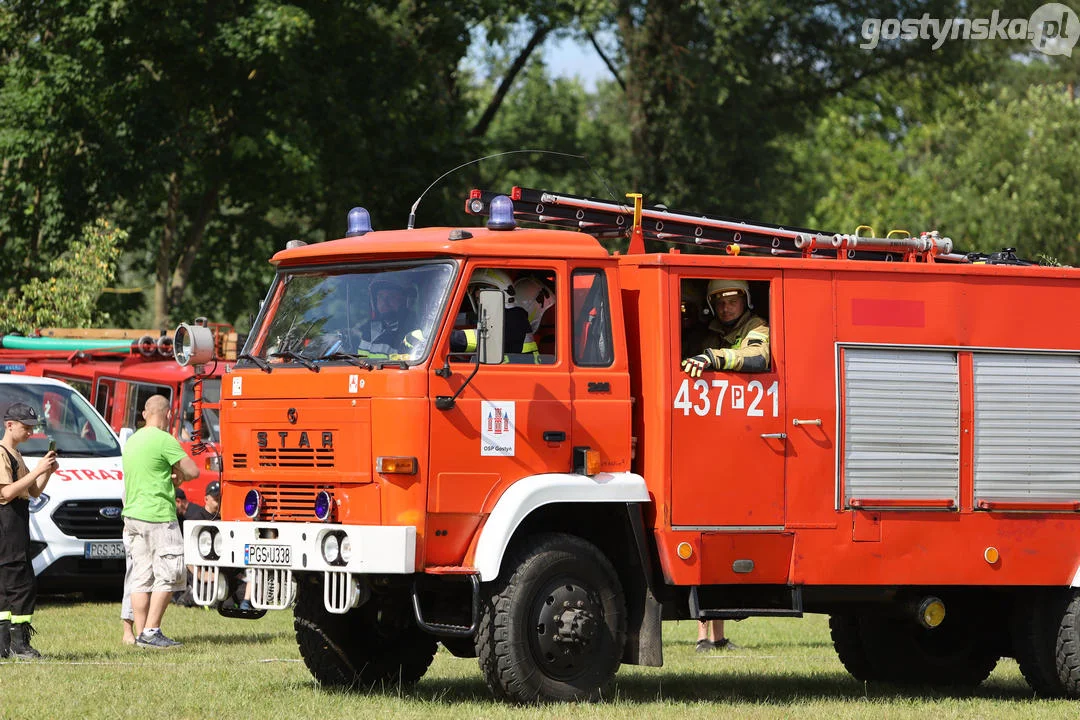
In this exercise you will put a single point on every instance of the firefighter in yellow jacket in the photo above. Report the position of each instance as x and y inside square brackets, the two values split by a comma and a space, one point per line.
[738, 339]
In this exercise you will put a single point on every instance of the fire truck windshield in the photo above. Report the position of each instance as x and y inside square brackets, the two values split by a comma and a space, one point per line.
[368, 312]
[66, 418]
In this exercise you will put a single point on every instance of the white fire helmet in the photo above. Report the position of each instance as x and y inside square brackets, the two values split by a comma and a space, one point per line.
[726, 287]
[534, 297]
[492, 278]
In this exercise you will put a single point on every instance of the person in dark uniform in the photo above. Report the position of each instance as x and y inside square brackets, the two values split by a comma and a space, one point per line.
[18, 588]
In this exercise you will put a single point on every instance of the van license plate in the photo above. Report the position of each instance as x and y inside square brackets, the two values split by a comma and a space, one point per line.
[103, 550]
[267, 555]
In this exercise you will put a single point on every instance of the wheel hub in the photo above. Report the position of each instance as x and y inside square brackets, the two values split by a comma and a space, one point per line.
[568, 621]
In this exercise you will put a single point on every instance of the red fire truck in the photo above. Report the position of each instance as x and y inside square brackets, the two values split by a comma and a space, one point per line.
[909, 462]
[117, 370]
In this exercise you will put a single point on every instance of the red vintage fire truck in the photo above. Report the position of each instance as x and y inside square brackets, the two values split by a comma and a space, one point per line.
[909, 462]
[118, 369]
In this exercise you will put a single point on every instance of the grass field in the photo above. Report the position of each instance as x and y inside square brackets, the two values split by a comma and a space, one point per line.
[242, 669]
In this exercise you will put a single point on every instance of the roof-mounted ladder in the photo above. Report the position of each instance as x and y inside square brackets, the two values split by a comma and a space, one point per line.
[605, 219]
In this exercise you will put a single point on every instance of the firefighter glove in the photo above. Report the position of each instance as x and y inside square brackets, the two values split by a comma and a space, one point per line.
[694, 366]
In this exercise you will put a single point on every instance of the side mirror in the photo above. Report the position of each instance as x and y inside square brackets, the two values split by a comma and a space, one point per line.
[489, 327]
[125, 433]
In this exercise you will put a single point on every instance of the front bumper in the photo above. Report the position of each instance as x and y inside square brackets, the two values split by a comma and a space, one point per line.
[274, 551]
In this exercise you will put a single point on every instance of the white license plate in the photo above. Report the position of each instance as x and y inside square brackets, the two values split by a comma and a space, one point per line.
[267, 555]
[104, 550]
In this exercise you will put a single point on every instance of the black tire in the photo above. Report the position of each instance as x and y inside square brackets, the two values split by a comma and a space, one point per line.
[848, 643]
[553, 625]
[1067, 647]
[375, 646]
[1036, 620]
[960, 653]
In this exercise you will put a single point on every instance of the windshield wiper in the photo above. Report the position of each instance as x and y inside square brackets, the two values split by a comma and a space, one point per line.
[290, 355]
[349, 358]
[259, 362]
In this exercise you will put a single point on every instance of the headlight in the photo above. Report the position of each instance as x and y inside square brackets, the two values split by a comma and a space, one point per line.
[39, 502]
[330, 549]
[346, 549]
[219, 543]
[206, 542]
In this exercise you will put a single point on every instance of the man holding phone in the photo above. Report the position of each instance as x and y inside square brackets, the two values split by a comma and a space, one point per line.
[18, 588]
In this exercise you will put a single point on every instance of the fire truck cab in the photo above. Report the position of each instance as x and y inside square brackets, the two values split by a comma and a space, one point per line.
[405, 466]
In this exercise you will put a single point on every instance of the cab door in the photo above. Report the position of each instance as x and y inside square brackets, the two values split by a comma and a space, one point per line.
[512, 420]
[729, 438]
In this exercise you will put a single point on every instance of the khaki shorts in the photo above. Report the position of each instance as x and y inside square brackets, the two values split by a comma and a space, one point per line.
[156, 556]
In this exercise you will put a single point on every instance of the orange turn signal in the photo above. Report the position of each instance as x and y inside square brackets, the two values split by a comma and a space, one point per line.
[391, 465]
[685, 550]
[991, 555]
[586, 460]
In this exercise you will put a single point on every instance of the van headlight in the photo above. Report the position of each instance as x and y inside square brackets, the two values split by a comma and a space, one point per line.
[346, 549]
[36, 503]
[219, 543]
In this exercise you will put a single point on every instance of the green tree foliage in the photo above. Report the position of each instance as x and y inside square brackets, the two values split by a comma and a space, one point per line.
[996, 170]
[216, 132]
[66, 295]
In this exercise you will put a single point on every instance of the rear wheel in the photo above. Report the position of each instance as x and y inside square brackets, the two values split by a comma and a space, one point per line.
[959, 653]
[376, 645]
[1036, 620]
[1067, 646]
[848, 642]
[554, 628]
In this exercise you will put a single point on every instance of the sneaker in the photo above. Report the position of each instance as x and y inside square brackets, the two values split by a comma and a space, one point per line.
[245, 605]
[704, 646]
[155, 641]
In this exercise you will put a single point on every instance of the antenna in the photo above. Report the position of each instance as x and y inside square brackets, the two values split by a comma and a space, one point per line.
[412, 210]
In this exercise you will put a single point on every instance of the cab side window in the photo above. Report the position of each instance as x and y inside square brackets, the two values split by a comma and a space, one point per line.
[138, 394]
[724, 325]
[591, 311]
[529, 320]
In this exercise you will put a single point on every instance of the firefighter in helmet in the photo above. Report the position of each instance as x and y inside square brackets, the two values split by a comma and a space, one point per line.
[392, 329]
[515, 319]
[738, 339]
[535, 298]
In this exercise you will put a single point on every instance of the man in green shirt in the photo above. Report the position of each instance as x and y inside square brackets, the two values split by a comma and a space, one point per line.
[154, 466]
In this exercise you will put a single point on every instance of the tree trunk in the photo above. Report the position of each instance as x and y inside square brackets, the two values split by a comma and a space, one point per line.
[164, 258]
[484, 122]
[192, 246]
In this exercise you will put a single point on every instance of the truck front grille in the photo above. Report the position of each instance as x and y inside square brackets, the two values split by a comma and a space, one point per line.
[90, 519]
[289, 502]
[296, 458]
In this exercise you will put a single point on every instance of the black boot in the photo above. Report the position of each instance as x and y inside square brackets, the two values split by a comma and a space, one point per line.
[20, 642]
[5, 638]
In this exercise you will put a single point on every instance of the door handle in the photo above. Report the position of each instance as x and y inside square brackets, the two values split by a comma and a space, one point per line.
[774, 436]
[554, 436]
[797, 422]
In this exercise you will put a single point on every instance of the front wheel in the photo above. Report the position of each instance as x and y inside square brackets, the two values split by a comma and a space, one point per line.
[553, 625]
[376, 645]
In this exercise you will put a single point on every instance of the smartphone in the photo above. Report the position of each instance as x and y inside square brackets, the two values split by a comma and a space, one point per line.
[52, 446]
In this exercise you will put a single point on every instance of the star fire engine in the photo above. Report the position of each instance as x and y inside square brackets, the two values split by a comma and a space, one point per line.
[909, 463]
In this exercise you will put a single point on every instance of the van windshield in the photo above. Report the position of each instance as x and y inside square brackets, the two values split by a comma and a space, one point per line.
[374, 312]
[67, 418]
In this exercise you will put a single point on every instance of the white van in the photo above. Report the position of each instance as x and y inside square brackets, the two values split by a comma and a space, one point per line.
[75, 526]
